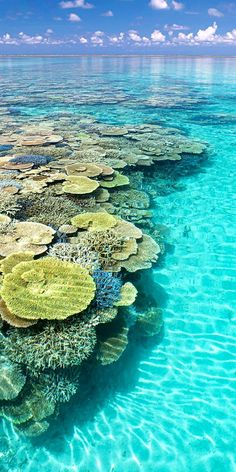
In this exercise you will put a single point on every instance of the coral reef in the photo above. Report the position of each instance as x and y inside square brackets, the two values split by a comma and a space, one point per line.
[83, 234]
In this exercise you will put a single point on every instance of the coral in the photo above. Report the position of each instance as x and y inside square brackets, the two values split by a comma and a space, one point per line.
[111, 349]
[34, 159]
[102, 315]
[12, 379]
[104, 243]
[130, 199]
[48, 289]
[85, 169]
[102, 195]
[150, 322]
[79, 185]
[26, 236]
[6, 183]
[77, 253]
[128, 295]
[148, 251]
[118, 180]
[7, 264]
[9, 204]
[55, 345]
[33, 429]
[31, 407]
[50, 210]
[58, 387]
[4, 219]
[108, 289]
[12, 319]
[100, 221]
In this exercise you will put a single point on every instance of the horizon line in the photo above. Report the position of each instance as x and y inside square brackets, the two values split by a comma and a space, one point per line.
[118, 55]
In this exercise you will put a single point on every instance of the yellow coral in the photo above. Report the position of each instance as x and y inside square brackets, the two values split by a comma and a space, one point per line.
[47, 289]
[79, 185]
[100, 221]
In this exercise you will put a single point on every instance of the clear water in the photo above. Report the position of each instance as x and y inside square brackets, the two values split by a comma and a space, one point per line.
[171, 407]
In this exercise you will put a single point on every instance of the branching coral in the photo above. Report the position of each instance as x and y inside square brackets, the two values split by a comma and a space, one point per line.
[59, 387]
[48, 289]
[9, 204]
[108, 288]
[56, 345]
[50, 210]
[104, 243]
[34, 159]
[76, 253]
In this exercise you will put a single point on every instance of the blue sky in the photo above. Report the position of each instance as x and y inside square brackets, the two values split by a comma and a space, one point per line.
[117, 26]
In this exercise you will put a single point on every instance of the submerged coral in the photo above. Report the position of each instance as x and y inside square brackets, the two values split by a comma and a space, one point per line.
[12, 379]
[59, 387]
[55, 345]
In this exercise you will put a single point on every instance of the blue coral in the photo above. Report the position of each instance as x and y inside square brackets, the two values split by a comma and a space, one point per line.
[9, 183]
[108, 287]
[32, 159]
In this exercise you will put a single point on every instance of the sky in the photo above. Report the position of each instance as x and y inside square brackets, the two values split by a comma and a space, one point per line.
[117, 27]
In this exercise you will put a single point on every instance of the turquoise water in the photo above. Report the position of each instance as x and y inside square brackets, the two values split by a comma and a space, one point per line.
[168, 406]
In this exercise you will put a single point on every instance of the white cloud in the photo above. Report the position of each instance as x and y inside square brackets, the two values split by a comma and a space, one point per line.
[117, 39]
[83, 40]
[74, 18]
[214, 12]
[134, 35]
[108, 13]
[208, 34]
[176, 27]
[177, 5]
[97, 38]
[76, 4]
[49, 31]
[157, 37]
[159, 4]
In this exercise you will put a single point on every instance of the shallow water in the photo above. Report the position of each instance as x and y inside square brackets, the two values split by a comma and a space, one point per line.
[168, 405]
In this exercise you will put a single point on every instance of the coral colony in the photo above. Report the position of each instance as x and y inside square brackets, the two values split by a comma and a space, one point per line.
[74, 233]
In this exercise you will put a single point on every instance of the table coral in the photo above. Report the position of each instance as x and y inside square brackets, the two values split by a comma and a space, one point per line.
[47, 289]
[12, 379]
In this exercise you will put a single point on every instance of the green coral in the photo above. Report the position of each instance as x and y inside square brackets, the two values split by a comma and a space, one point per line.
[55, 345]
[12, 379]
[47, 288]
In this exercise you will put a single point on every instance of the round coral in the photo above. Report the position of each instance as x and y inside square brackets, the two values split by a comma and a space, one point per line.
[47, 289]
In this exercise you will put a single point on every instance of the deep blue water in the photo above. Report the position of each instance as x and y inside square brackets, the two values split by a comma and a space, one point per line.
[172, 408]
